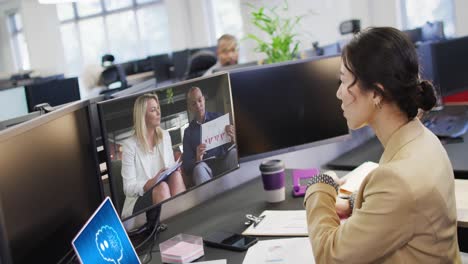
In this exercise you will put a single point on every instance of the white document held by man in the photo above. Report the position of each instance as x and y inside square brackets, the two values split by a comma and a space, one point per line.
[281, 251]
[213, 133]
[280, 223]
[356, 176]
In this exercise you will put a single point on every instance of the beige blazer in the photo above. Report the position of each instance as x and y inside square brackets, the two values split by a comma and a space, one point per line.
[404, 211]
[137, 168]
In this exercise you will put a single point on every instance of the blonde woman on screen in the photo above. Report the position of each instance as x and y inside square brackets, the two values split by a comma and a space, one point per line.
[404, 211]
[146, 155]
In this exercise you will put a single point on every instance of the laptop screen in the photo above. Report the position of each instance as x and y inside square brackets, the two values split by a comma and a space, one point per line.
[103, 239]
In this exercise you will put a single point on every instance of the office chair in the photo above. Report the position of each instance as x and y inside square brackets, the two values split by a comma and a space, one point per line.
[114, 75]
[200, 62]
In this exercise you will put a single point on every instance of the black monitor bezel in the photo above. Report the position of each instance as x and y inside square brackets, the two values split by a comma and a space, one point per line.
[11, 132]
[107, 147]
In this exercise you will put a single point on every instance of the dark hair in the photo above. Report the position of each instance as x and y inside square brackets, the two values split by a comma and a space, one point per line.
[384, 55]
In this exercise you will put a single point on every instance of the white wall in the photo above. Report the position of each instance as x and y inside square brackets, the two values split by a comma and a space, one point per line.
[42, 31]
[42, 34]
[7, 63]
[461, 19]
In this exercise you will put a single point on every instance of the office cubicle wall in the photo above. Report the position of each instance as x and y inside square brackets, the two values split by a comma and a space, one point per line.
[49, 183]
[282, 107]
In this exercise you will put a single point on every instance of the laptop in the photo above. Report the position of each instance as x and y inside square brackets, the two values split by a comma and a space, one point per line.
[103, 239]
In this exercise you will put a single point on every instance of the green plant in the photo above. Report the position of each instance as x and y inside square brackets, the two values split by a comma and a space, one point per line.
[282, 44]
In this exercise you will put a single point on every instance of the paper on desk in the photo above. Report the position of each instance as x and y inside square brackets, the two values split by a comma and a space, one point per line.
[213, 133]
[280, 251]
[356, 176]
[280, 223]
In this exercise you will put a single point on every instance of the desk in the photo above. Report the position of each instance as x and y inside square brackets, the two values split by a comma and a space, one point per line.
[372, 150]
[226, 212]
[139, 77]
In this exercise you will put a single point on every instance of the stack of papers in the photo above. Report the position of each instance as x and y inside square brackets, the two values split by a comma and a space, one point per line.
[281, 251]
[356, 176]
[280, 223]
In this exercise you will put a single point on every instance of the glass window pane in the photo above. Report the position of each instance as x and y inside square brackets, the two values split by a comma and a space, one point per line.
[117, 4]
[228, 18]
[18, 22]
[65, 11]
[154, 29]
[89, 7]
[145, 1]
[93, 40]
[23, 50]
[418, 12]
[125, 46]
[71, 48]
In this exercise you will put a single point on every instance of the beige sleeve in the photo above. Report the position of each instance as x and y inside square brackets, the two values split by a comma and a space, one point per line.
[380, 226]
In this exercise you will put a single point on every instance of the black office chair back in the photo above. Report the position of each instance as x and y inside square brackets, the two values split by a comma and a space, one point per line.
[113, 74]
[200, 62]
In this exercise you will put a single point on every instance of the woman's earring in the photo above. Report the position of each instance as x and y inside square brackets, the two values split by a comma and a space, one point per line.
[378, 105]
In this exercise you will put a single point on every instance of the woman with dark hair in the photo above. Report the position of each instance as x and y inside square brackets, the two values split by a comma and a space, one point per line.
[404, 211]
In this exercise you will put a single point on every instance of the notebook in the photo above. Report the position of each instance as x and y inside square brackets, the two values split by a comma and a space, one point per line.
[103, 239]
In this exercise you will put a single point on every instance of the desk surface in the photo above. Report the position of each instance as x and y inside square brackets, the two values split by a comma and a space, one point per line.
[372, 150]
[226, 212]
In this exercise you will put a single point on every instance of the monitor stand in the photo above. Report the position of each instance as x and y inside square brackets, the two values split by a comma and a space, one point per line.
[148, 233]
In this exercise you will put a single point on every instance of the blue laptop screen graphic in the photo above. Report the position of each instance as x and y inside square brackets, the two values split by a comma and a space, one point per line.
[103, 239]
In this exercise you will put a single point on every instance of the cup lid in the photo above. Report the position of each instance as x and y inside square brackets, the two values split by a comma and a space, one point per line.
[271, 165]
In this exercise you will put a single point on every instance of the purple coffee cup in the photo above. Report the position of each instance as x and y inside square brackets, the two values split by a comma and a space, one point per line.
[273, 180]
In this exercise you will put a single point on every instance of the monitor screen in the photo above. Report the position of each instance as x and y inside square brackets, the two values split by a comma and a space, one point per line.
[49, 183]
[281, 106]
[450, 65]
[13, 103]
[55, 92]
[187, 117]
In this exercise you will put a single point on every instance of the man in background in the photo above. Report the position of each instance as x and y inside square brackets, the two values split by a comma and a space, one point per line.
[227, 52]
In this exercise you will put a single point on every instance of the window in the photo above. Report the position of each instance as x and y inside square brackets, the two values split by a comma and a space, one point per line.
[128, 29]
[18, 42]
[227, 18]
[417, 12]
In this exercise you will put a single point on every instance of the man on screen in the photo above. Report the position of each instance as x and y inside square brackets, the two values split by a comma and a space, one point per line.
[196, 158]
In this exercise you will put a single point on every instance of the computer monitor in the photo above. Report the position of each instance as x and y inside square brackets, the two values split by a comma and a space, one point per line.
[116, 117]
[49, 184]
[13, 103]
[55, 92]
[287, 106]
[450, 66]
[161, 66]
[180, 60]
